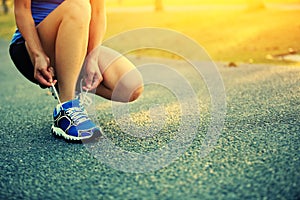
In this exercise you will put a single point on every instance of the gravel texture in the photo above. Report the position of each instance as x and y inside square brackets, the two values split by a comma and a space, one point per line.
[256, 155]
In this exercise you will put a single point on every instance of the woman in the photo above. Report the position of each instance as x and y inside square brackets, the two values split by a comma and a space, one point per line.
[51, 45]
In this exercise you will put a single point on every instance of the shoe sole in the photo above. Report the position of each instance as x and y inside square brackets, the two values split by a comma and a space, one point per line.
[59, 132]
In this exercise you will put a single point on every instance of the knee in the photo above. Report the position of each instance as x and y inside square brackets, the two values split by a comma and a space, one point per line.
[130, 87]
[132, 90]
[79, 11]
[136, 93]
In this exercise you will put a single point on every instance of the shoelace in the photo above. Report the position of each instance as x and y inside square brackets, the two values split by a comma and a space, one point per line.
[85, 100]
[51, 90]
[77, 115]
[56, 94]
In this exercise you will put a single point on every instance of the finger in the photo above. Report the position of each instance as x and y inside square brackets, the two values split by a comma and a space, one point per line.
[51, 70]
[54, 82]
[47, 74]
[89, 80]
[95, 82]
[40, 78]
[44, 77]
[92, 83]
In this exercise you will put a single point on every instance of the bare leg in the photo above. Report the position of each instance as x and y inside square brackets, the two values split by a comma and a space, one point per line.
[64, 37]
[121, 80]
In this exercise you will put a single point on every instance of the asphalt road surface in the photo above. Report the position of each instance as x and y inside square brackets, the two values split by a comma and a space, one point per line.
[256, 155]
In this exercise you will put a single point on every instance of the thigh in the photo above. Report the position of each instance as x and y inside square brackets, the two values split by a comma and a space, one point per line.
[48, 28]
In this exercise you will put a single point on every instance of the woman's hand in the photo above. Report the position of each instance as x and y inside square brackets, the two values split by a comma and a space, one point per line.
[43, 72]
[93, 76]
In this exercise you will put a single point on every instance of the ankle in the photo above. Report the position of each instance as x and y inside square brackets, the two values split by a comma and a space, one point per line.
[66, 98]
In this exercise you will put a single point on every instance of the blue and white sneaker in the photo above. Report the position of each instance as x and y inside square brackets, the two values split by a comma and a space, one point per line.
[72, 122]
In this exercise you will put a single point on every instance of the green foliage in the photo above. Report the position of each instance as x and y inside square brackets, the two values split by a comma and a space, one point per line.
[7, 25]
[226, 35]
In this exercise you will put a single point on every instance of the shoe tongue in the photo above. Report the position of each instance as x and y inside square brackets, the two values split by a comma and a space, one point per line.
[71, 103]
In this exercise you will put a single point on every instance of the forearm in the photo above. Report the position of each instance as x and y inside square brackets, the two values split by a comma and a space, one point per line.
[27, 27]
[97, 26]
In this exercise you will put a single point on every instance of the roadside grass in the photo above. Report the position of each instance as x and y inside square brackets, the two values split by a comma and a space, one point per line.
[237, 36]
[7, 26]
[129, 3]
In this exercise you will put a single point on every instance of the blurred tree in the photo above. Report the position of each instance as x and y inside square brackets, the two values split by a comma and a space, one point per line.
[256, 5]
[5, 7]
[158, 5]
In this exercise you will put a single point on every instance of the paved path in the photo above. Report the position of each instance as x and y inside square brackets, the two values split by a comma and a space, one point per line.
[257, 155]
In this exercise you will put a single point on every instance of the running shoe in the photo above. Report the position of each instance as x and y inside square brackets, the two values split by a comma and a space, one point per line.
[72, 122]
